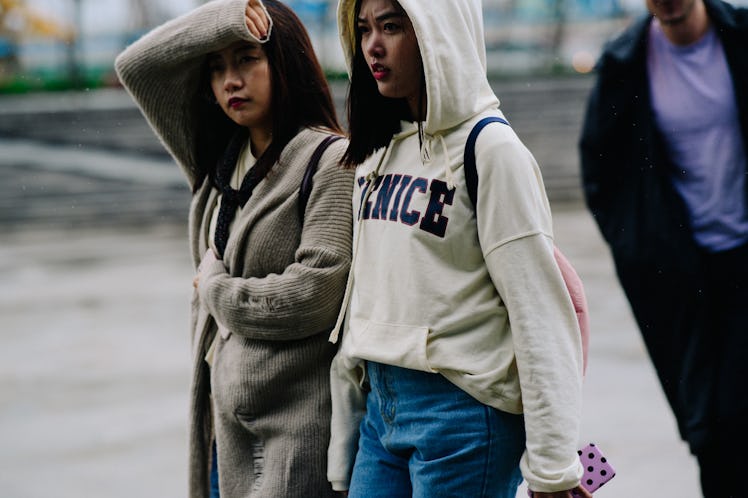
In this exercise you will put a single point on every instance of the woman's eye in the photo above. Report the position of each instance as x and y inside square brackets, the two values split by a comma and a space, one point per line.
[215, 68]
[362, 29]
[390, 27]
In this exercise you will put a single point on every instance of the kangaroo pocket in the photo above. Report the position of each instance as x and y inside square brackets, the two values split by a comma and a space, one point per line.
[391, 344]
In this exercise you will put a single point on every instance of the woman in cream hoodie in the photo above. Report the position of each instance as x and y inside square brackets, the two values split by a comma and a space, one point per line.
[236, 94]
[460, 360]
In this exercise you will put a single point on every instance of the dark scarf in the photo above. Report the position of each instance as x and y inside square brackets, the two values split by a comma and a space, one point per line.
[232, 199]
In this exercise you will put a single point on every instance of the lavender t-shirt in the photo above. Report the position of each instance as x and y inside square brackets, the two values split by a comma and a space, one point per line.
[693, 100]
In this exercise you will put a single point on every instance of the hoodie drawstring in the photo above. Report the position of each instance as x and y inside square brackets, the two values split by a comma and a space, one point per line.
[451, 184]
[371, 179]
[425, 146]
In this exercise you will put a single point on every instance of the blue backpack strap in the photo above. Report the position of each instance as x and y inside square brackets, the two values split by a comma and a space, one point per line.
[471, 171]
[307, 182]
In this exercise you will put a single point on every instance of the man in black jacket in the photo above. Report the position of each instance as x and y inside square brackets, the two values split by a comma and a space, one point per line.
[663, 153]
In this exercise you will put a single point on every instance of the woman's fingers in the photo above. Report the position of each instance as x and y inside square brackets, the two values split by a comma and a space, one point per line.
[257, 21]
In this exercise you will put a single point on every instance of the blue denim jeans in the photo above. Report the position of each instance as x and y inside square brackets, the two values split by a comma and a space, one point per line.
[214, 493]
[423, 437]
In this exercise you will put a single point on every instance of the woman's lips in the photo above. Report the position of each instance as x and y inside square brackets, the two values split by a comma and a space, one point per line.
[235, 102]
[379, 71]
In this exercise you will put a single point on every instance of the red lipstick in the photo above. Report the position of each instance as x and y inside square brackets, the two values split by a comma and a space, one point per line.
[379, 71]
[235, 102]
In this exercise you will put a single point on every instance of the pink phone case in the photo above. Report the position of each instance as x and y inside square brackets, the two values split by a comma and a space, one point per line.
[597, 470]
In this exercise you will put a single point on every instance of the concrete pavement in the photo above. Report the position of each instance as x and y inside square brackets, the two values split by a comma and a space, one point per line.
[625, 412]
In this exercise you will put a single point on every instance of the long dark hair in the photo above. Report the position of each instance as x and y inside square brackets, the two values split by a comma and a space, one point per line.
[372, 118]
[300, 93]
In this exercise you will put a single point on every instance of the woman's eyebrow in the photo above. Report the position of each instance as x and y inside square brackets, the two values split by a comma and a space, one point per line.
[385, 16]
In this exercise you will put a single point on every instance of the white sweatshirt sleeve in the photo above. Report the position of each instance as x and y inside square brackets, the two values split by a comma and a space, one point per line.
[514, 226]
[547, 347]
[348, 409]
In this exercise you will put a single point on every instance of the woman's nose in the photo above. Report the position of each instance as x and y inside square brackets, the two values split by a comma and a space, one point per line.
[373, 45]
[231, 79]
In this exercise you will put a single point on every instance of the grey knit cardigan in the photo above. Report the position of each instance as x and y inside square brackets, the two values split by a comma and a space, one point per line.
[277, 291]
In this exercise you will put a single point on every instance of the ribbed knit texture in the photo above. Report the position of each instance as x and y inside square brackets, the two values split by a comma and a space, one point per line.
[277, 290]
[271, 376]
[299, 291]
[260, 396]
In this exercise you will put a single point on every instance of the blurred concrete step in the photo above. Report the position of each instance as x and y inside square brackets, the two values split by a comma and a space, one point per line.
[86, 189]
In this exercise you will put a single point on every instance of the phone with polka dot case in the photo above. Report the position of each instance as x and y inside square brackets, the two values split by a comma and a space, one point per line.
[597, 469]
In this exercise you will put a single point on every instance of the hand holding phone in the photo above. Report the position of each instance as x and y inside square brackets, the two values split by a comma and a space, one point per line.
[597, 469]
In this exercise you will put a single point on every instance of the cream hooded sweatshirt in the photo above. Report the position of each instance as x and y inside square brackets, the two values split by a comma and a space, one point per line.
[480, 300]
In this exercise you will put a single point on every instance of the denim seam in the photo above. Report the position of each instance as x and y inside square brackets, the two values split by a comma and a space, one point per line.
[487, 461]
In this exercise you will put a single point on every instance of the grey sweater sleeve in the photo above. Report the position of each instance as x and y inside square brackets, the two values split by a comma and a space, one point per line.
[304, 299]
[162, 71]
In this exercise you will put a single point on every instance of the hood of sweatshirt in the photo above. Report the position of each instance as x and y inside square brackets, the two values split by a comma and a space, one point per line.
[451, 42]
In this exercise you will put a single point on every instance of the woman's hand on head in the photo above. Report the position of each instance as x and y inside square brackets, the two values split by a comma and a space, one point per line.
[256, 19]
[580, 491]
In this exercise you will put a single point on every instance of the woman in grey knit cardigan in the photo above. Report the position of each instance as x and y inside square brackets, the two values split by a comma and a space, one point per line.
[234, 91]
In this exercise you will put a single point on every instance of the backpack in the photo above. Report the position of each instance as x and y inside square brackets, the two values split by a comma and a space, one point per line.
[308, 180]
[573, 283]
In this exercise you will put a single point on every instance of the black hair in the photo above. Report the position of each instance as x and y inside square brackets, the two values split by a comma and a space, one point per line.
[372, 118]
